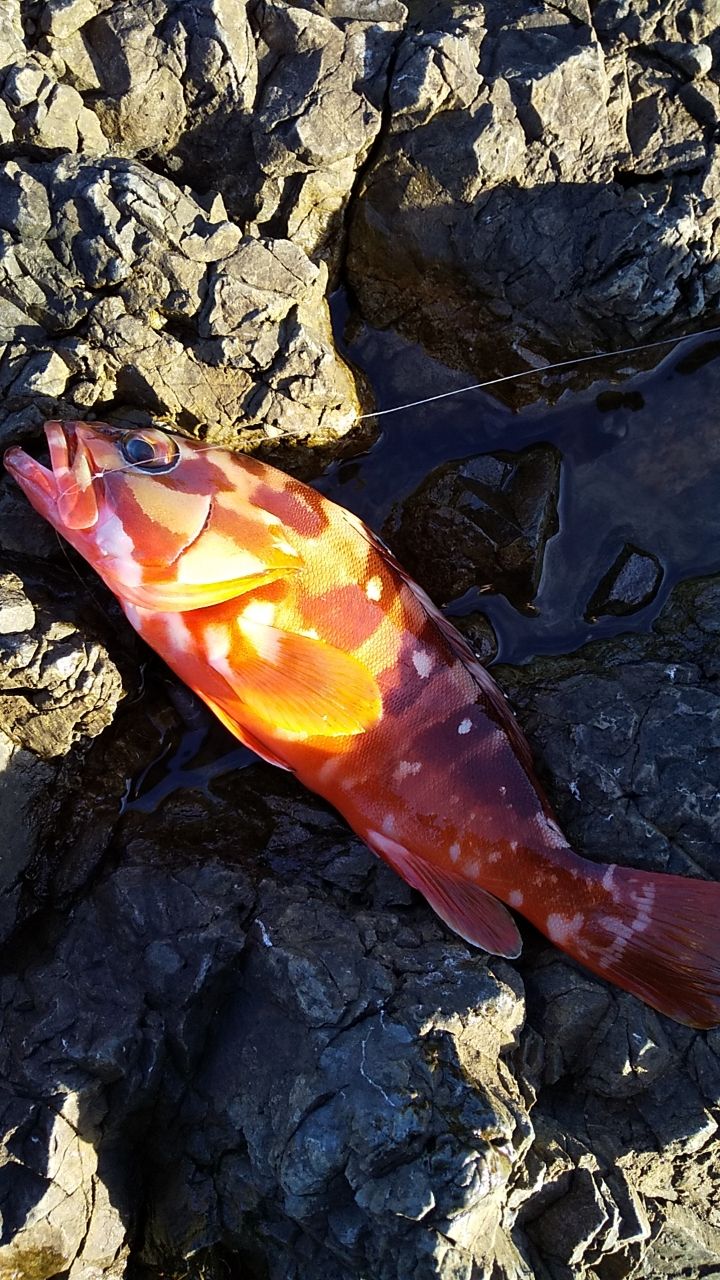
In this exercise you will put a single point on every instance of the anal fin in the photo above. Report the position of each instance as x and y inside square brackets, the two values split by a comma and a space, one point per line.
[472, 912]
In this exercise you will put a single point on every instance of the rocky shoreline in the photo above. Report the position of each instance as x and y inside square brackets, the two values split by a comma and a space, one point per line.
[232, 1042]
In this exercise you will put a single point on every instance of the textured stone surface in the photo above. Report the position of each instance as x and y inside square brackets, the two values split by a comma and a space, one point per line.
[231, 1040]
[548, 180]
[487, 520]
[631, 583]
[117, 288]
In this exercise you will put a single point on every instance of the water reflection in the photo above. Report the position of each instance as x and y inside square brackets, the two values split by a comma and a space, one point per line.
[641, 465]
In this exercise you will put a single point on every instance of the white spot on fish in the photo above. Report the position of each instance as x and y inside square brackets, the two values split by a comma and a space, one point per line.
[464, 726]
[326, 770]
[373, 589]
[516, 898]
[423, 663]
[217, 642]
[608, 882]
[495, 856]
[112, 540]
[262, 611]
[645, 900]
[550, 832]
[454, 852]
[405, 769]
[389, 825]
[388, 848]
[513, 846]
[285, 547]
[563, 929]
[264, 639]
[473, 869]
[177, 633]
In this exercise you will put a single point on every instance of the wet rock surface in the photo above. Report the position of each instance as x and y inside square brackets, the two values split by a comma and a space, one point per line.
[231, 1039]
[548, 180]
[631, 583]
[249, 1039]
[488, 519]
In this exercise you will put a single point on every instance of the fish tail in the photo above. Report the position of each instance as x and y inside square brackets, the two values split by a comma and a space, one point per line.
[655, 935]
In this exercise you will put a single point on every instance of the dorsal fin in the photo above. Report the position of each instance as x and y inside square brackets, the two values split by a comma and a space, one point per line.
[496, 702]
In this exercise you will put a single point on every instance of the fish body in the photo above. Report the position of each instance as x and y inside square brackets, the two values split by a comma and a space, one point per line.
[309, 642]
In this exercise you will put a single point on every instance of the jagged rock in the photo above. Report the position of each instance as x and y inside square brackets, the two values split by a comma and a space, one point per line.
[118, 288]
[228, 1032]
[56, 686]
[544, 183]
[295, 1061]
[276, 104]
[631, 583]
[482, 522]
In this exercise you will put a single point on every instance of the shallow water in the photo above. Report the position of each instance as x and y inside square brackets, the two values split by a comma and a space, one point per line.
[641, 464]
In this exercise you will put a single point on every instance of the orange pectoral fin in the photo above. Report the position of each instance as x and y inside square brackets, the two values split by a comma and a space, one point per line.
[243, 735]
[470, 911]
[299, 685]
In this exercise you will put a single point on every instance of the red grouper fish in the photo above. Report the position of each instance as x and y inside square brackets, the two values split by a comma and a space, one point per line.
[308, 641]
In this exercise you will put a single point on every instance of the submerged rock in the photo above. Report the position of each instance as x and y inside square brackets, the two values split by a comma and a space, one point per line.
[481, 523]
[631, 583]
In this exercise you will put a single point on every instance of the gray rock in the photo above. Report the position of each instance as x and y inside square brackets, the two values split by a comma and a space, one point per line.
[482, 522]
[119, 287]
[545, 185]
[292, 1067]
[57, 686]
[631, 583]
[302, 1066]
[276, 105]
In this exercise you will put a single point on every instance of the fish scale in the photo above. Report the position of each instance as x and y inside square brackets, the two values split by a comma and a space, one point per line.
[310, 643]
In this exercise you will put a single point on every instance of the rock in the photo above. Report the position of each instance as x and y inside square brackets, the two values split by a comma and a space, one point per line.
[545, 185]
[230, 1036]
[482, 522]
[276, 105]
[631, 583]
[117, 286]
[299, 1051]
[57, 686]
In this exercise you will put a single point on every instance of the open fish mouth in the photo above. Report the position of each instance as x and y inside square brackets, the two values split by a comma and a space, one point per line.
[63, 493]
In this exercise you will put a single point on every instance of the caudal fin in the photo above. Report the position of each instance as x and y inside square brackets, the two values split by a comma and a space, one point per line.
[655, 935]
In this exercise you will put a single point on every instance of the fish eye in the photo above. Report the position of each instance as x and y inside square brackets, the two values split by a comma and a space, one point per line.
[150, 451]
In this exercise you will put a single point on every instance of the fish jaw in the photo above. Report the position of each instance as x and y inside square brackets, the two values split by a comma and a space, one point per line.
[64, 494]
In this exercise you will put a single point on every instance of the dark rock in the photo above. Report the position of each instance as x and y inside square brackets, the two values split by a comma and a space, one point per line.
[57, 686]
[534, 153]
[630, 584]
[481, 523]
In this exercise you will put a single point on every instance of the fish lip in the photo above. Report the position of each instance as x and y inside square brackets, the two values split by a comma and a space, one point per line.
[56, 491]
[37, 482]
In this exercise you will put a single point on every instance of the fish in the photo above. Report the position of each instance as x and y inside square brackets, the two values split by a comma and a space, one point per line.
[296, 625]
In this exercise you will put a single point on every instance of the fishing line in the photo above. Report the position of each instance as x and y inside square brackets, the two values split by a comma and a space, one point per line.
[545, 368]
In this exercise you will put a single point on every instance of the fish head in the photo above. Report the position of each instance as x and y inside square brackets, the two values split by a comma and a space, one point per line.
[167, 522]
